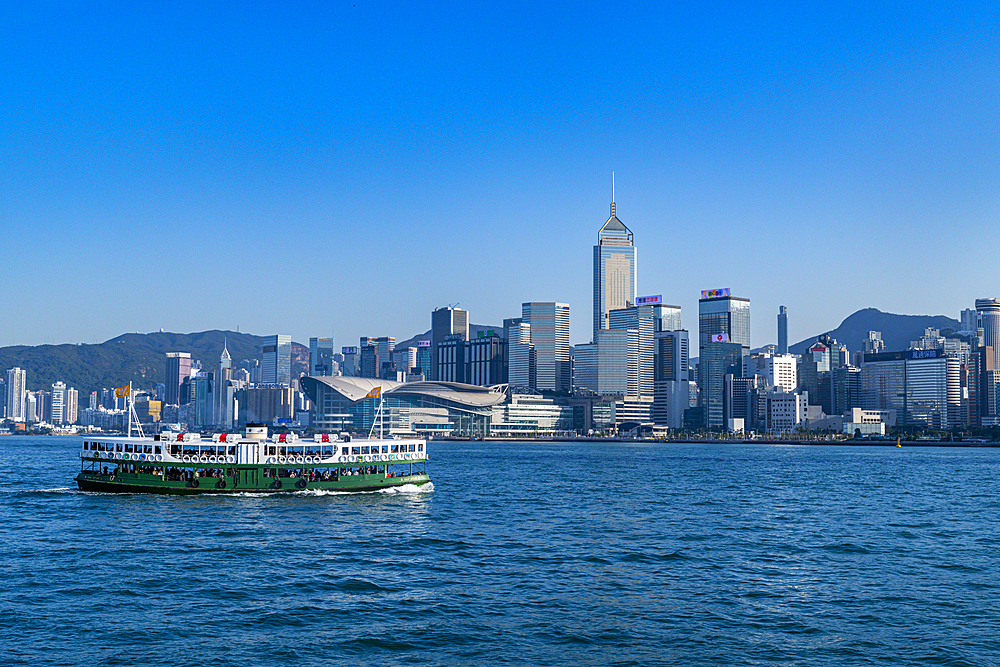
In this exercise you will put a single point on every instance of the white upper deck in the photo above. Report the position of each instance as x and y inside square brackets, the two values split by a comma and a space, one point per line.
[255, 447]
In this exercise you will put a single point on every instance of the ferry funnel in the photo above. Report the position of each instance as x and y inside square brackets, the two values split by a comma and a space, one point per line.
[256, 431]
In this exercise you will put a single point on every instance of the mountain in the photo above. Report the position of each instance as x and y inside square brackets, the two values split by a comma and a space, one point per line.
[138, 358]
[897, 330]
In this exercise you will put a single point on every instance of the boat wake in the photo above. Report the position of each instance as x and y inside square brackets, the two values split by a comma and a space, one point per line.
[393, 490]
[60, 489]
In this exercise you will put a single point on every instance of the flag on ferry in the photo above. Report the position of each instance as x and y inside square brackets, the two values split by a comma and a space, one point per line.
[124, 391]
[375, 393]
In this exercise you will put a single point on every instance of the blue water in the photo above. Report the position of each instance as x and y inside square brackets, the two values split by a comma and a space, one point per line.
[522, 554]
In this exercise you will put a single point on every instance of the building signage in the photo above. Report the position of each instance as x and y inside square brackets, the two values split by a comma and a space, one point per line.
[715, 293]
[649, 300]
[720, 338]
[488, 333]
[349, 350]
[874, 357]
[270, 385]
[457, 336]
[423, 343]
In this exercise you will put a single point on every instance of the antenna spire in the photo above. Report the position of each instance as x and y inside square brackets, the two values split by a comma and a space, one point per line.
[612, 194]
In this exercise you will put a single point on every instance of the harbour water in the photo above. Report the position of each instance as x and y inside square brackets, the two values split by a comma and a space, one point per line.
[522, 554]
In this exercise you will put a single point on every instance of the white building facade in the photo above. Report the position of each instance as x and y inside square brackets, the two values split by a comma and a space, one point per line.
[16, 388]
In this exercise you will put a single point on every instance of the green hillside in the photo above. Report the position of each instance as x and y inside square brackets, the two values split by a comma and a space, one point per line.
[138, 358]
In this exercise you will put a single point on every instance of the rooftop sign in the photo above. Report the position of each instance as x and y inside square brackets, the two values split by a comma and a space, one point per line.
[423, 343]
[648, 300]
[715, 293]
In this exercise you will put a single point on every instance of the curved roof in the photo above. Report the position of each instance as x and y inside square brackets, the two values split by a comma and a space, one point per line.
[355, 389]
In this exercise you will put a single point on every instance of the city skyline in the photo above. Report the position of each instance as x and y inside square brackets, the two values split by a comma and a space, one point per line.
[481, 145]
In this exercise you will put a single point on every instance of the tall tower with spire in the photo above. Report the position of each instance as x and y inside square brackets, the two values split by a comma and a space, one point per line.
[614, 268]
[222, 383]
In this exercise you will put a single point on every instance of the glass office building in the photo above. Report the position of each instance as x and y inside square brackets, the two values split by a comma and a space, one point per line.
[614, 270]
[720, 314]
[924, 387]
[276, 363]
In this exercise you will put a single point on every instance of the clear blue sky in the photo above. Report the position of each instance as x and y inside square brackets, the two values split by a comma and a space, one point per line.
[288, 167]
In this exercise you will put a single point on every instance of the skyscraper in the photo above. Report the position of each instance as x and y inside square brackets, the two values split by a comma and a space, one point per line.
[717, 360]
[276, 363]
[351, 366]
[178, 368]
[320, 357]
[988, 314]
[550, 339]
[671, 391]
[58, 403]
[618, 362]
[648, 318]
[223, 404]
[424, 357]
[446, 321]
[71, 411]
[16, 387]
[373, 353]
[782, 330]
[614, 270]
[520, 353]
[31, 405]
[723, 339]
[723, 318]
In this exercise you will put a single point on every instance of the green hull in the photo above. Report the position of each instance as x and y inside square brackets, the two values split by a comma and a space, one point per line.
[246, 479]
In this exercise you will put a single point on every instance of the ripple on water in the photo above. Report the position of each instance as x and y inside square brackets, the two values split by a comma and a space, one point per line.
[575, 554]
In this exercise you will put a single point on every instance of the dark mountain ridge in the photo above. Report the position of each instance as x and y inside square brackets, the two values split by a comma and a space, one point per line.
[897, 330]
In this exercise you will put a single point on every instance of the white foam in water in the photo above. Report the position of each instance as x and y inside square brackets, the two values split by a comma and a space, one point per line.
[405, 488]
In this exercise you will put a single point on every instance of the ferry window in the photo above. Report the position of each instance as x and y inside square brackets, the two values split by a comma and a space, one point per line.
[413, 448]
[343, 451]
[385, 449]
[232, 450]
[157, 449]
[420, 448]
[395, 449]
[355, 450]
[364, 450]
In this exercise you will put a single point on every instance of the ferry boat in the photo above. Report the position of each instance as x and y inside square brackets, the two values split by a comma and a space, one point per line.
[187, 463]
